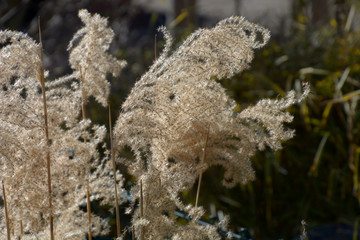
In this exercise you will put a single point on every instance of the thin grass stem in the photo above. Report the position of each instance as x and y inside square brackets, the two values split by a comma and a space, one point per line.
[21, 228]
[42, 82]
[141, 209]
[114, 172]
[198, 190]
[6, 213]
[88, 204]
[202, 160]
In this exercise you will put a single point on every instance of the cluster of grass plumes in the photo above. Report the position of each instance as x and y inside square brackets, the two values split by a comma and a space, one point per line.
[49, 155]
[178, 121]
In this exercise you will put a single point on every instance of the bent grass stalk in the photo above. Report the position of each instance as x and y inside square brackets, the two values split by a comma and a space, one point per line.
[42, 82]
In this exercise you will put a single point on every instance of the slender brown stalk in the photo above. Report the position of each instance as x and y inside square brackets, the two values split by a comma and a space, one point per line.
[198, 190]
[21, 228]
[88, 204]
[42, 82]
[114, 172]
[133, 234]
[6, 213]
[200, 176]
[141, 209]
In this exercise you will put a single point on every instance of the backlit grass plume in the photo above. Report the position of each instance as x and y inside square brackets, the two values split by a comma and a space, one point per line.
[28, 152]
[46, 173]
[179, 121]
[94, 41]
[89, 57]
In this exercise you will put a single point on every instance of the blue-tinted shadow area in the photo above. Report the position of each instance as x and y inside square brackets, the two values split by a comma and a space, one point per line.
[331, 232]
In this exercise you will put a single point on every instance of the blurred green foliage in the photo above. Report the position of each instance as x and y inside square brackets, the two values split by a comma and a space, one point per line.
[316, 176]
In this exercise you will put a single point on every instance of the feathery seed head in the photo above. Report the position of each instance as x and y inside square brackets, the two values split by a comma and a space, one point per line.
[94, 41]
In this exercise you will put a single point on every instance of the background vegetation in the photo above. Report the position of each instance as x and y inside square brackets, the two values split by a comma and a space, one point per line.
[316, 176]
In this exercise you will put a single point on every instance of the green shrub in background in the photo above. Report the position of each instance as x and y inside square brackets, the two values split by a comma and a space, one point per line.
[316, 176]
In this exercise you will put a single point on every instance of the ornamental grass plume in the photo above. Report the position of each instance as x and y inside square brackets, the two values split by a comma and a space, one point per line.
[24, 150]
[94, 41]
[89, 57]
[178, 121]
